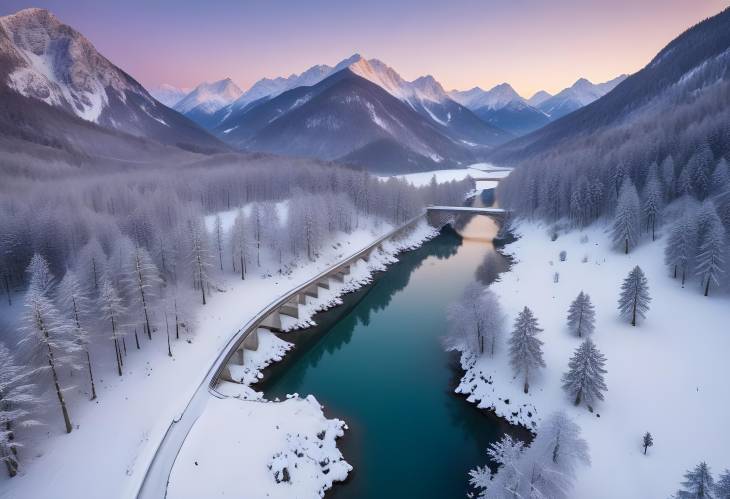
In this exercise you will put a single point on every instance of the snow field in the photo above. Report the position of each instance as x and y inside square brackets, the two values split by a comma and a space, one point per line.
[667, 376]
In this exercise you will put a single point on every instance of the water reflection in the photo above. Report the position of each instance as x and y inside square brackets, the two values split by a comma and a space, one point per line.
[377, 362]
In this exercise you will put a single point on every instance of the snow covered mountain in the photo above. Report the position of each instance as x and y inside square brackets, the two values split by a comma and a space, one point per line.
[516, 117]
[209, 97]
[495, 98]
[502, 107]
[168, 94]
[49, 63]
[676, 103]
[580, 94]
[539, 97]
[414, 122]
[271, 87]
[349, 118]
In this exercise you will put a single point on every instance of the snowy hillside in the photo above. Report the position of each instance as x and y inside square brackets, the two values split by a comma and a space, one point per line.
[666, 376]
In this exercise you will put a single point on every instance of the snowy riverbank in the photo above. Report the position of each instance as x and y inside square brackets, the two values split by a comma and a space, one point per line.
[257, 448]
[667, 376]
[132, 412]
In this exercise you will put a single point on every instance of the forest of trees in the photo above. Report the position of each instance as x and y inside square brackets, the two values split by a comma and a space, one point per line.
[96, 265]
[688, 201]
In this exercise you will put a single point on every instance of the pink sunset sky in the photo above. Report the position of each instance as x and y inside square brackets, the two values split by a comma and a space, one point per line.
[531, 44]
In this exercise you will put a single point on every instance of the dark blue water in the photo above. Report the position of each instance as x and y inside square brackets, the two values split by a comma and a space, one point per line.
[377, 362]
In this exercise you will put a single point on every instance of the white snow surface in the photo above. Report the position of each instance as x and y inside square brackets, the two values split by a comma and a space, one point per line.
[477, 170]
[115, 436]
[236, 448]
[667, 376]
[238, 444]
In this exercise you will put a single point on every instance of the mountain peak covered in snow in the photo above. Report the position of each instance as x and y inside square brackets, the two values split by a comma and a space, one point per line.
[168, 94]
[50, 61]
[210, 97]
[495, 98]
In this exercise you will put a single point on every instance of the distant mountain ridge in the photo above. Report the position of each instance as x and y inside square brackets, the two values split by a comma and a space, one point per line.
[51, 64]
[415, 121]
[678, 99]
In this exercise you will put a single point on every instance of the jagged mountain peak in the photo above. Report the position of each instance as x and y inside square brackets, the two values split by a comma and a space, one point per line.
[42, 59]
[209, 97]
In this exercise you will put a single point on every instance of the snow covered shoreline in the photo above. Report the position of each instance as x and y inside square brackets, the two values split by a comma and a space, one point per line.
[295, 450]
[143, 402]
[665, 376]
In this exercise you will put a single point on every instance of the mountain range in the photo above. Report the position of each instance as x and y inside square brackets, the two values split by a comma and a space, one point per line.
[677, 104]
[58, 91]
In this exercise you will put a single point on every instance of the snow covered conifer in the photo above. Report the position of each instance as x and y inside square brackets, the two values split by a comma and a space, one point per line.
[582, 315]
[548, 466]
[647, 441]
[698, 483]
[199, 256]
[90, 264]
[112, 308]
[721, 177]
[625, 232]
[678, 253]
[652, 201]
[710, 258]
[722, 488]
[218, 234]
[476, 321]
[634, 299]
[74, 302]
[39, 274]
[141, 277]
[239, 243]
[16, 398]
[584, 379]
[525, 347]
[506, 453]
[50, 340]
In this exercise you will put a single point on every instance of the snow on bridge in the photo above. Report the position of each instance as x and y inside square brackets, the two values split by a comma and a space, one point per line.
[468, 209]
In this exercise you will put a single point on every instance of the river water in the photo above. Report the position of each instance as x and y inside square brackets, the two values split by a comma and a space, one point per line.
[377, 362]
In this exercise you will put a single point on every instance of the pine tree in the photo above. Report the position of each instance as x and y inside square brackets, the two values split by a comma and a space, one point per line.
[582, 315]
[584, 379]
[722, 488]
[219, 238]
[680, 246]
[721, 177]
[549, 464]
[50, 338]
[698, 483]
[626, 220]
[652, 201]
[141, 276]
[39, 274]
[112, 308]
[74, 303]
[16, 399]
[634, 299]
[525, 347]
[647, 441]
[476, 321]
[506, 454]
[710, 259]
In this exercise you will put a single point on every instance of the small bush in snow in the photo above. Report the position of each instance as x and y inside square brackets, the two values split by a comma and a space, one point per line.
[584, 238]
[563, 255]
[585, 259]
[553, 236]
[556, 277]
